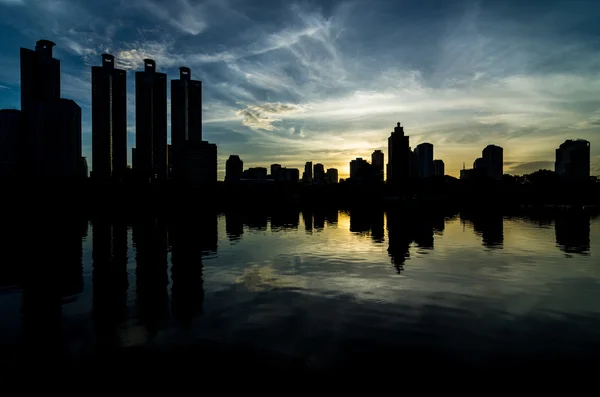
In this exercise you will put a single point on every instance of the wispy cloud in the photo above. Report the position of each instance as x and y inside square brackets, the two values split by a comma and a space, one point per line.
[12, 2]
[184, 15]
[265, 115]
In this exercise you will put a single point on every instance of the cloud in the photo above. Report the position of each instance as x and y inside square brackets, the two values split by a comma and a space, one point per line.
[12, 2]
[183, 15]
[264, 116]
[528, 167]
[132, 57]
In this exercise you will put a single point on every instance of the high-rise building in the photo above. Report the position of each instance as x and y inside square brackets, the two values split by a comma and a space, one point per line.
[255, 173]
[186, 117]
[438, 168]
[319, 173]
[11, 130]
[276, 173]
[424, 160]
[291, 174]
[234, 166]
[358, 168]
[151, 122]
[399, 156]
[479, 164]
[40, 75]
[332, 175]
[109, 120]
[307, 176]
[493, 161]
[573, 159]
[54, 132]
[377, 160]
[201, 164]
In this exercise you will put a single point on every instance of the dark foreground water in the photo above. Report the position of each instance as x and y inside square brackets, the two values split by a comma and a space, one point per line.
[310, 290]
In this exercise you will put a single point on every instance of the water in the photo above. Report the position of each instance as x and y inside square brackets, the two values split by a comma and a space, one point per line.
[325, 289]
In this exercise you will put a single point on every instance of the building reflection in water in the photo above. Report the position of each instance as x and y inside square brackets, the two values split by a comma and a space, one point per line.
[488, 225]
[234, 226]
[307, 219]
[192, 237]
[319, 220]
[368, 222]
[406, 228]
[399, 238]
[284, 220]
[257, 221]
[52, 276]
[150, 240]
[572, 230]
[109, 276]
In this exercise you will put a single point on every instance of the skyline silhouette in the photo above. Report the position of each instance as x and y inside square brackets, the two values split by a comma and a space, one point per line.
[487, 105]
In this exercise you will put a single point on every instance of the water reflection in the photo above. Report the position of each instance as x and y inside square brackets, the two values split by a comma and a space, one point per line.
[572, 231]
[150, 240]
[52, 275]
[309, 290]
[489, 225]
[187, 237]
[109, 276]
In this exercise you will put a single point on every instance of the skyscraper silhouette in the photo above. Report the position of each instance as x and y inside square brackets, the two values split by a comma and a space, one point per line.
[307, 176]
[109, 120]
[573, 159]
[377, 160]
[234, 166]
[398, 156]
[151, 122]
[424, 161]
[319, 173]
[493, 160]
[186, 118]
[40, 75]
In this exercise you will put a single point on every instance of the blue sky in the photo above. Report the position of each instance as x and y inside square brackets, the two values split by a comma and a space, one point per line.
[287, 82]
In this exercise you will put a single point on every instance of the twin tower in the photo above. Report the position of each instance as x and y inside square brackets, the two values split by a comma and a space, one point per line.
[188, 159]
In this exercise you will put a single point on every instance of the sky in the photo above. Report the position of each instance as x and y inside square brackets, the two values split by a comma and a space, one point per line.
[326, 81]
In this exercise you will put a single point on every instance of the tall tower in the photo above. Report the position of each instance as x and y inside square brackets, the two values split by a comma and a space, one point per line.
[377, 161]
[186, 117]
[398, 156]
[109, 120]
[424, 161]
[493, 161]
[40, 75]
[151, 122]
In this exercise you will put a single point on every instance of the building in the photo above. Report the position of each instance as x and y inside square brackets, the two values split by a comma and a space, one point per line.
[151, 122]
[54, 140]
[109, 120]
[319, 173]
[83, 168]
[276, 173]
[332, 175]
[358, 168]
[377, 160]
[134, 158]
[307, 176]
[399, 156]
[424, 160]
[479, 164]
[186, 117]
[255, 173]
[234, 167]
[438, 168]
[573, 159]
[493, 160]
[40, 75]
[292, 175]
[11, 129]
[201, 165]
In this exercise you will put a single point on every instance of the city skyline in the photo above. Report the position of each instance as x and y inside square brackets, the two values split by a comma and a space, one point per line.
[298, 88]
